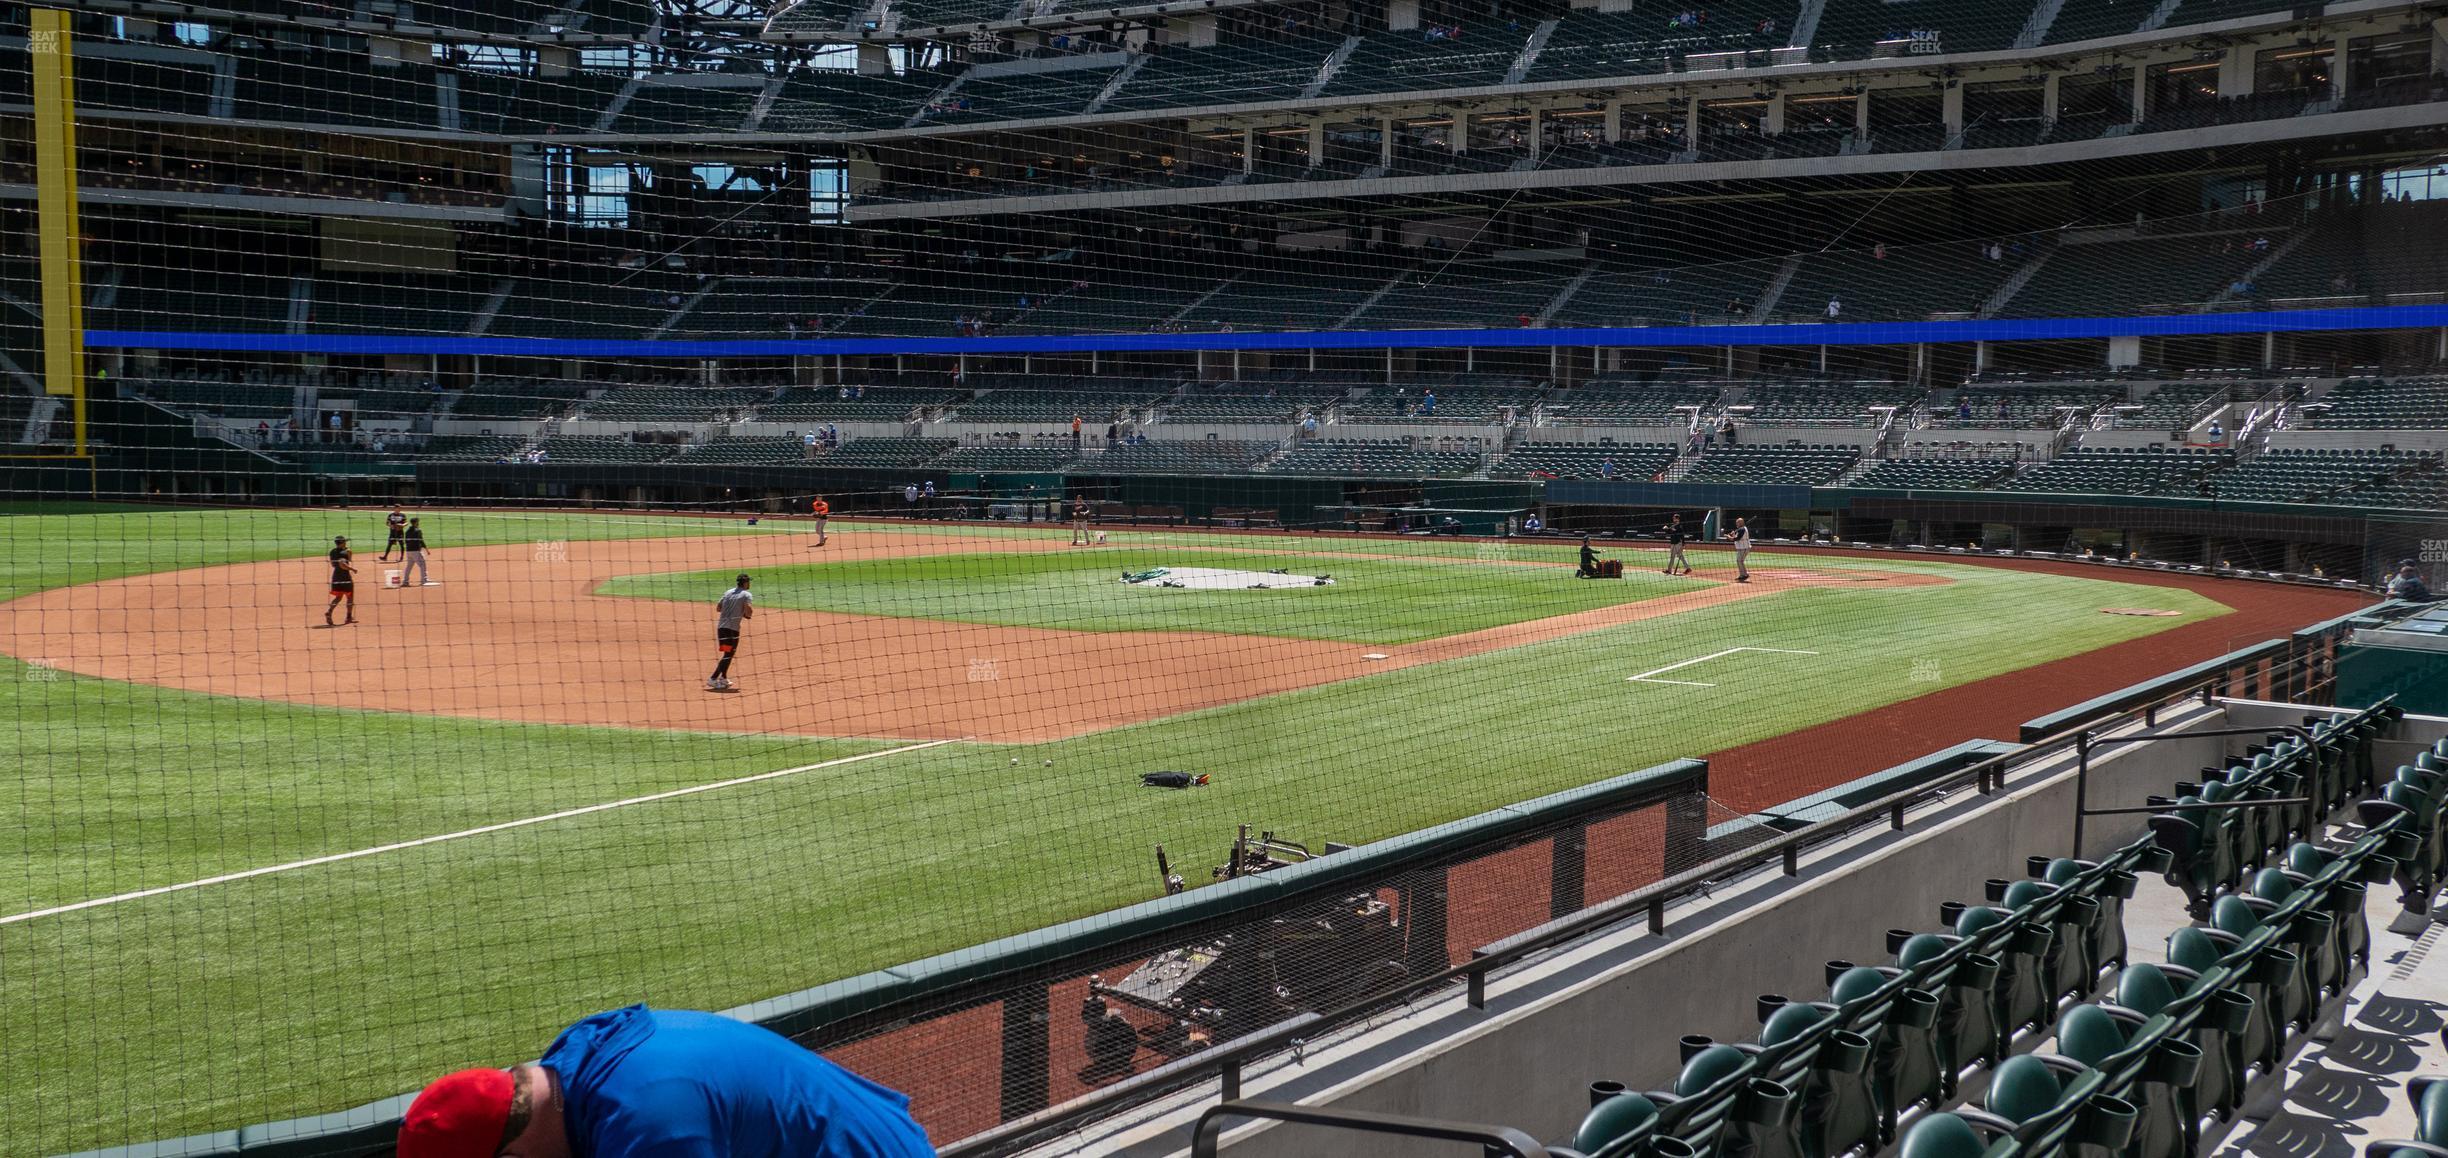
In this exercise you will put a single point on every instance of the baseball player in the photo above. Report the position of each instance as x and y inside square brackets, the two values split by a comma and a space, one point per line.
[1740, 536]
[1675, 537]
[343, 581]
[730, 611]
[820, 510]
[396, 522]
[1079, 518]
[412, 557]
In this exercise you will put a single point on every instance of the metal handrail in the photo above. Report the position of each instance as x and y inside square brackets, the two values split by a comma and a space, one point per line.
[1504, 1140]
[2084, 742]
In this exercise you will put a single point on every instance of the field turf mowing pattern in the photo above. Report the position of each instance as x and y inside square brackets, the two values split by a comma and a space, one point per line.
[314, 990]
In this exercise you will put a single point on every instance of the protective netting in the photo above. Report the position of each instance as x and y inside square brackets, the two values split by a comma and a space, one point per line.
[938, 321]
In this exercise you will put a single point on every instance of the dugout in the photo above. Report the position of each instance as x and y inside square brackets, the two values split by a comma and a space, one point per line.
[2403, 657]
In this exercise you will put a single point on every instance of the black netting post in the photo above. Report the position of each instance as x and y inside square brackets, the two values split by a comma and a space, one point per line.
[1566, 875]
[1423, 896]
[1027, 1064]
[1687, 828]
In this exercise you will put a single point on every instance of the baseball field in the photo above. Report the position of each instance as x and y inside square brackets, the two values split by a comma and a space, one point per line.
[258, 868]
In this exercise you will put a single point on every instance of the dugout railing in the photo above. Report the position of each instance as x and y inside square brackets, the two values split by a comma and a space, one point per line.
[1652, 834]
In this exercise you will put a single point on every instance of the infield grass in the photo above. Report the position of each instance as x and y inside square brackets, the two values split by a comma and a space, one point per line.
[313, 990]
[1371, 601]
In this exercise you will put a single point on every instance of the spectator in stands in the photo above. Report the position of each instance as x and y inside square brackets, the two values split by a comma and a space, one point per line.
[1428, 402]
[1725, 429]
[1835, 309]
[1075, 431]
[909, 496]
[640, 1081]
[1113, 433]
[1532, 524]
[1878, 251]
[2409, 585]
[1308, 426]
[2218, 434]
[2004, 411]
[1606, 467]
[1963, 408]
[807, 444]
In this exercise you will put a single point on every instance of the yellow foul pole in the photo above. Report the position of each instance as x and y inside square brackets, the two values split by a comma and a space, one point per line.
[55, 169]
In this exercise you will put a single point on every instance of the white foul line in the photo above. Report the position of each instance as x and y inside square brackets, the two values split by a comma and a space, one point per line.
[1644, 676]
[421, 841]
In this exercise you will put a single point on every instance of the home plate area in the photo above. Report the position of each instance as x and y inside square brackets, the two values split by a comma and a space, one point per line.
[1221, 579]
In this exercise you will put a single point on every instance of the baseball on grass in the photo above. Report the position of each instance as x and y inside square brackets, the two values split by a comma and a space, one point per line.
[1049, 763]
[1015, 759]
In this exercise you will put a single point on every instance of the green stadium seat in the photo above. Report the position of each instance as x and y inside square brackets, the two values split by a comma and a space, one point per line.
[2292, 996]
[1942, 1136]
[1906, 1070]
[2021, 996]
[2066, 968]
[2106, 941]
[2090, 1037]
[2022, 1088]
[1613, 1118]
[1838, 1110]
[2251, 1048]
[1967, 1025]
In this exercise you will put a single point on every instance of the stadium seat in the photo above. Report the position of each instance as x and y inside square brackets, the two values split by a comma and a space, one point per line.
[1613, 1118]
[2091, 1037]
[1967, 1026]
[2021, 997]
[1943, 1136]
[1837, 1107]
[1907, 1073]
[2022, 1088]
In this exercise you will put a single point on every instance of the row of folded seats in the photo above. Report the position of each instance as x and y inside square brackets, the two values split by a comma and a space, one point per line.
[2141, 1057]
[2429, 1094]
[1785, 465]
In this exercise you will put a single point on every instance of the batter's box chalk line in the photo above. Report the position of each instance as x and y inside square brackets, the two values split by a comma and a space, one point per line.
[1649, 677]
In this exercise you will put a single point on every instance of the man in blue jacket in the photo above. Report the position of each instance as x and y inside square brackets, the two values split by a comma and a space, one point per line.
[651, 1083]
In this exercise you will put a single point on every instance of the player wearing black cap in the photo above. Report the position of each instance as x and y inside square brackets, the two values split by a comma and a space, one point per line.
[343, 581]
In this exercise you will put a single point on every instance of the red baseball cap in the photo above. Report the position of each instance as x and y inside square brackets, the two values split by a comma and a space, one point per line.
[460, 1115]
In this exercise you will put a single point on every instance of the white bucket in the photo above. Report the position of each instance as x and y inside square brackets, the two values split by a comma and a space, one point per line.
[391, 578]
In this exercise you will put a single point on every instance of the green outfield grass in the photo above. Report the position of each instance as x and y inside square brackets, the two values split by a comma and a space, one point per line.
[308, 991]
[1372, 600]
